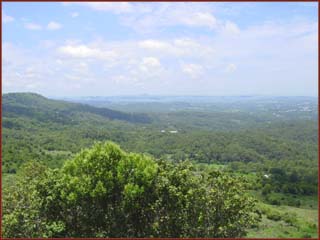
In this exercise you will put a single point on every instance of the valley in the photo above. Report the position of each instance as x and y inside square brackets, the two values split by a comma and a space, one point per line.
[271, 142]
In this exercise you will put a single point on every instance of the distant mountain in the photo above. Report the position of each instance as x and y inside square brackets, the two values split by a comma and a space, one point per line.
[185, 99]
[37, 107]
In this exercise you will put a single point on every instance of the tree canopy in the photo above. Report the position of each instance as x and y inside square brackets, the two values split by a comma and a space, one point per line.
[107, 192]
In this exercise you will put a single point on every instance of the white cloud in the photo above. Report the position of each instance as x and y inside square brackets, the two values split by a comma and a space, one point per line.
[149, 16]
[114, 7]
[198, 19]
[33, 26]
[149, 69]
[53, 25]
[23, 69]
[231, 28]
[6, 18]
[192, 70]
[36, 27]
[12, 54]
[79, 51]
[231, 68]
[160, 47]
[149, 66]
[74, 14]
[167, 15]
[177, 47]
[150, 62]
[186, 43]
[153, 44]
[84, 51]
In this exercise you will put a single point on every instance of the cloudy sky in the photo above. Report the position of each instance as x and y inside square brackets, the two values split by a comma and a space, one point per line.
[90, 49]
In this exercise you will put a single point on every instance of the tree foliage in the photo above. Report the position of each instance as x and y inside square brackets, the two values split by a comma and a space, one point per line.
[106, 192]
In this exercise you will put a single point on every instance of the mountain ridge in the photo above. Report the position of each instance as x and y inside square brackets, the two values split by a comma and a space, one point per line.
[33, 104]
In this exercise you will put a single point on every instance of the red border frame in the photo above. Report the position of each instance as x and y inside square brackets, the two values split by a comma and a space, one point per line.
[154, 1]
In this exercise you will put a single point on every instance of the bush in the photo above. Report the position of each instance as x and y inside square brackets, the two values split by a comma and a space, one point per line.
[274, 200]
[275, 216]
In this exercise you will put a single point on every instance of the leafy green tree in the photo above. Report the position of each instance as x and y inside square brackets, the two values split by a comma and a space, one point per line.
[22, 215]
[106, 192]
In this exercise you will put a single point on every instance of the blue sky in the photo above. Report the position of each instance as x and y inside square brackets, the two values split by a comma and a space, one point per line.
[94, 48]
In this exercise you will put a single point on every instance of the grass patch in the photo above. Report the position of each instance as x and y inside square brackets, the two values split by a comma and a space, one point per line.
[286, 222]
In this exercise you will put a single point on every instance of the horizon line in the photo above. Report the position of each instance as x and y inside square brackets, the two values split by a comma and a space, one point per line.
[163, 95]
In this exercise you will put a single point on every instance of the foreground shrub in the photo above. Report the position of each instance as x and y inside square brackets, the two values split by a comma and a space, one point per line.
[106, 192]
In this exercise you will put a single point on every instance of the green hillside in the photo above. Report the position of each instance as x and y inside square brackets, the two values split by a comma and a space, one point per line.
[35, 106]
[278, 160]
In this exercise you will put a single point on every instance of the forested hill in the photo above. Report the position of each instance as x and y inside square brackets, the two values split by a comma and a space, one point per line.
[274, 149]
[35, 106]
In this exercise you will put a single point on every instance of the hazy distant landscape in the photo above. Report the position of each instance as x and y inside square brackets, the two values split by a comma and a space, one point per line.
[160, 120]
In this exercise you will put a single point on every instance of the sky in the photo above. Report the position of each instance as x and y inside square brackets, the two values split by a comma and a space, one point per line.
[125, 48]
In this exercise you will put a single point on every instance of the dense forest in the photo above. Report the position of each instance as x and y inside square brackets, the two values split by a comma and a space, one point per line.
[198, 167]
